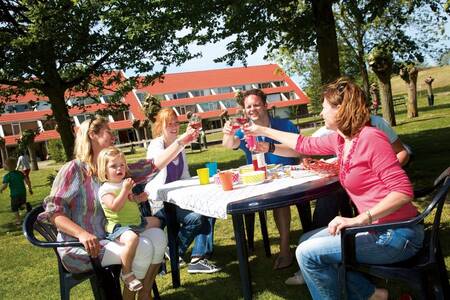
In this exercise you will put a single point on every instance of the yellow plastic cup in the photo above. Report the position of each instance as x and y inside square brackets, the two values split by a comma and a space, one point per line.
[203, 175]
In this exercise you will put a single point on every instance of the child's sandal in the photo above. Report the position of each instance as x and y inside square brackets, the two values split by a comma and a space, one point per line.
[133, 285]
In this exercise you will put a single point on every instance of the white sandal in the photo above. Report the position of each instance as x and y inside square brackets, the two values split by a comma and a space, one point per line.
[133, 285]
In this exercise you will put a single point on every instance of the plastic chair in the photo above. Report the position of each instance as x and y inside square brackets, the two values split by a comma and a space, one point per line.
[104, 281]
[425, 272]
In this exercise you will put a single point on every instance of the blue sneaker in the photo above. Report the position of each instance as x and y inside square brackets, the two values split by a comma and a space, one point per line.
[202, 266]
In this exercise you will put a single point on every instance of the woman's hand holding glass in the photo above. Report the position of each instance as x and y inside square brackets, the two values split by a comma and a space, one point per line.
[190, 135]
[251, 128]
[260, 147]
[228, 128]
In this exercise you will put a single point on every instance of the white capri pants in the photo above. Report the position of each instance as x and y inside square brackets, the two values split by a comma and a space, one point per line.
[150, 251]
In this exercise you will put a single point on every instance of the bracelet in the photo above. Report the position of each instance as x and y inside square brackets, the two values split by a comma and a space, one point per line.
[180, 143]
[370, 216]
[271, 147]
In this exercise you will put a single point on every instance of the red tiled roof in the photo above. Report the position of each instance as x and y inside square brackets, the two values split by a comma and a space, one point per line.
[31, 96]
[187, 81]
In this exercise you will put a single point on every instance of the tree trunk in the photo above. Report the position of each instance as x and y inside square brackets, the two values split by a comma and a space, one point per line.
[327, 47]
[365, 78]
[412, 111]
[32, 153]
[62, 118]
[4, 154]
[387, 106]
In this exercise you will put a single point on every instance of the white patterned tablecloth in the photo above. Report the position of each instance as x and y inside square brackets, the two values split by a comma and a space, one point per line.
[210, 200]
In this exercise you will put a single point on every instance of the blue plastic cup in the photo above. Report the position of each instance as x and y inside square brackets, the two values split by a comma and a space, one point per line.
[212, 166]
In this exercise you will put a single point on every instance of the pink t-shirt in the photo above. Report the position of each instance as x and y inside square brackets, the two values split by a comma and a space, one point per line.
[370, 172]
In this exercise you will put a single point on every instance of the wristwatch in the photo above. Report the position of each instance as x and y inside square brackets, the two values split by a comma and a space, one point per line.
[271, 147]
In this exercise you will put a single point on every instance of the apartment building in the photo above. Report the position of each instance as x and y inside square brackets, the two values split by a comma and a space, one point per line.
[207, 93]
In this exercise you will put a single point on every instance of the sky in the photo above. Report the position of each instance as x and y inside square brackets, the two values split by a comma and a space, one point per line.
[212, 51]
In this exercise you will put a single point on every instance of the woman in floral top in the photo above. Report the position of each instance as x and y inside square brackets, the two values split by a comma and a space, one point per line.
[374, 180]
[73, 206]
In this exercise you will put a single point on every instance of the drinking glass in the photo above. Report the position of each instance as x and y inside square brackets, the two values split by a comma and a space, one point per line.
[195, 122]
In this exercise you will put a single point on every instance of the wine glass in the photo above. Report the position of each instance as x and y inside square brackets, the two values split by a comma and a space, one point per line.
[241, 118]
[195, 121]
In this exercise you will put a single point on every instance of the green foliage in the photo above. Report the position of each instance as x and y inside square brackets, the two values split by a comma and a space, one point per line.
[51, 47]
[50, 178]
[56, 150]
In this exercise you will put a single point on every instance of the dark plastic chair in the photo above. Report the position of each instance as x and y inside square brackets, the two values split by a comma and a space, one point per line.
[425, 272]
[104, 280]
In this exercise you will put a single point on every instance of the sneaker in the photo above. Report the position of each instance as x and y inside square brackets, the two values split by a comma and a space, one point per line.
[181, 262]
[202, 266]
[297, 279]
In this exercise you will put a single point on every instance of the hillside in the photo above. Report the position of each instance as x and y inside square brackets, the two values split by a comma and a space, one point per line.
[441, 82]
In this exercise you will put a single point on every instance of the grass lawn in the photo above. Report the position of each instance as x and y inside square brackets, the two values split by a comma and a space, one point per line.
[31, 272]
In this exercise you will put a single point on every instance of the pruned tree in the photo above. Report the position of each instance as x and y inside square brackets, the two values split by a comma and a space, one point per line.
[381, 63]
[429, 81]
[395, 25]
[57, 47]
[409, 72]
[151, 106]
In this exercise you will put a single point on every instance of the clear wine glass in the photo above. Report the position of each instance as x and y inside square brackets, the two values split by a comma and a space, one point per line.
[195, 121]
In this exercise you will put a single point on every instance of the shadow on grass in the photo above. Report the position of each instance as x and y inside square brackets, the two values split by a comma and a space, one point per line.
[227, 283]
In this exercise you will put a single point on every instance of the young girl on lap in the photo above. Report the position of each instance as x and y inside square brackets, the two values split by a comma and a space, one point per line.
[124, 222]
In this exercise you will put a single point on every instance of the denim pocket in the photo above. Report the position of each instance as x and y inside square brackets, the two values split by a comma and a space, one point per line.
[401, 243]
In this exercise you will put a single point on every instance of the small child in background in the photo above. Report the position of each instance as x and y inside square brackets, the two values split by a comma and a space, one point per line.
[15, 180]
[24, 163]
[124, 221]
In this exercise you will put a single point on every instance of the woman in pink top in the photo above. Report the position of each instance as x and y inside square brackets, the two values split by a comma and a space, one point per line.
[374, 180]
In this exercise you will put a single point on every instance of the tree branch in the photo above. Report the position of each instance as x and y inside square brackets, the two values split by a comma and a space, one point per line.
[77, 80]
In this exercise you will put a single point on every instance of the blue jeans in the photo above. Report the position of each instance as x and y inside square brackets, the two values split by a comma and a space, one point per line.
[319, 254]
[192, 224]
[203, 244]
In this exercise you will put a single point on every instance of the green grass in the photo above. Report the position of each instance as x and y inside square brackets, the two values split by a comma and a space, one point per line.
[31, 272]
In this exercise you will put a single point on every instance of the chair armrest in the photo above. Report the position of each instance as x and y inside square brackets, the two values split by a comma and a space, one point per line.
[46, 230]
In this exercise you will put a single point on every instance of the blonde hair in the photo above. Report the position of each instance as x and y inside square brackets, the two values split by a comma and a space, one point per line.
[10, 163]
[102, 161]
[163, 116]
[83, 145]
[353, 113]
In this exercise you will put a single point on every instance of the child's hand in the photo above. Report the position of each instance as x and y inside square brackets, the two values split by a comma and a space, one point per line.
[138, 198]
[128, 184]
[30, 191]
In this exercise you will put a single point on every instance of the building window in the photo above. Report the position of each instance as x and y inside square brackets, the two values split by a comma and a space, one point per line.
[29, 125]
[279, 83]
[42, 105]
[180, 95]
[121, 115]
[273, 98]
[198, 93]
[224, 90]
[230, 103]
[7, 129]
[209, 106]
[15, 108]
[264, 85]
[240, 88]
[82, 118]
